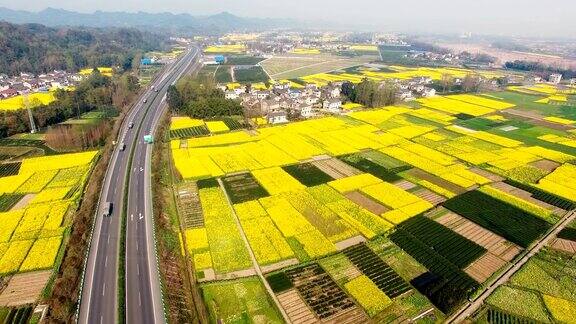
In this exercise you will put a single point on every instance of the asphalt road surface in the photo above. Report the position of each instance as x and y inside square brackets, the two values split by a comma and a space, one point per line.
[99, 302]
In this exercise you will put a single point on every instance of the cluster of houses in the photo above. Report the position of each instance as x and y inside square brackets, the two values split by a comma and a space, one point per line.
[431, 56]
[27, 83]
[281, 100]
[414, 88]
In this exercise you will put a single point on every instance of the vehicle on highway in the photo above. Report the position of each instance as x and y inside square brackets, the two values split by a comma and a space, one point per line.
[156, 90]
[122, 146]
[107, 210]
[130, 125]
[145, 100]
[149, 139]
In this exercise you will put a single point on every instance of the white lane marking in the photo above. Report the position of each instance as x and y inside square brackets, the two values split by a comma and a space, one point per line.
[136, 245]
[103, 289]
[108, 239]
[101, 319]
[131, 217]
[139, 299]
[138, 269]
[106, 262]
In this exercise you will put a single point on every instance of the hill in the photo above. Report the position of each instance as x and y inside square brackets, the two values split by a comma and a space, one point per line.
[167, 21]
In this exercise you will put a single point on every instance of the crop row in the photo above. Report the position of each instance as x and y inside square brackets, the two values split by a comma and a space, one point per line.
[7, 201]
[377, 170]
[457, 249]
[8, 169]
[544, 196]
[512, 223]
[445, 285]
[379, 272]
[189, 132]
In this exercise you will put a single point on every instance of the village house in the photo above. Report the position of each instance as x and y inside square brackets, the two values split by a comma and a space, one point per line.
[277, 117]
[555, 78]
[332, 105]
[231, 95]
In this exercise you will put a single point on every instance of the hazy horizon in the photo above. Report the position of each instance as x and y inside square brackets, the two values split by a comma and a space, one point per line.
[495, 17]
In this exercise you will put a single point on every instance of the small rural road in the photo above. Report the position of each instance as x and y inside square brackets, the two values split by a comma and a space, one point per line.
[99, 295]
[473, 306]
[255, 264]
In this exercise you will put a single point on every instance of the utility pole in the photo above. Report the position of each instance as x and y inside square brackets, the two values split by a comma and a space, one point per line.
[26, 102]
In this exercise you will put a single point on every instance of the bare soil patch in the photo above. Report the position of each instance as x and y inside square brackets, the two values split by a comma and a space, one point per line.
[563, 245]
[364, 201]
[484, 267]
[494, 243]
[24, 288]
[336, 168]
[420, 174]
[545, 165]
[23, 202]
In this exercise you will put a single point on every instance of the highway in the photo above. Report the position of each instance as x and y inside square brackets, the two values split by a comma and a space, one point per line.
[474, 305]
[99, 295]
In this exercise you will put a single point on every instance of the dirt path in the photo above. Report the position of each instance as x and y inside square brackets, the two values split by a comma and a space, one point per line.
[252, 256]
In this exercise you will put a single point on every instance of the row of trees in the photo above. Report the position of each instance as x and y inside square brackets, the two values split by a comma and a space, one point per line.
[539, 68]
[199, 98]
[95, 92]
[34, 48]
[370, 94]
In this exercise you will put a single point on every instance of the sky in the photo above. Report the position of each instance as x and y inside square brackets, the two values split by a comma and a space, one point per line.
[506, 17]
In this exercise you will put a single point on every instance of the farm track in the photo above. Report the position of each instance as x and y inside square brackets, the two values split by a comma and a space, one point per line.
[255, 264]
[471, 307]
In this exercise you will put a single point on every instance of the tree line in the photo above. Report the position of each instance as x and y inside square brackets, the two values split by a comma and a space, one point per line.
[200, 98]
[370, 93]
[540, 69]
[34, 48]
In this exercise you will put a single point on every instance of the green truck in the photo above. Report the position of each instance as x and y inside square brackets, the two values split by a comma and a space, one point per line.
[148, 139]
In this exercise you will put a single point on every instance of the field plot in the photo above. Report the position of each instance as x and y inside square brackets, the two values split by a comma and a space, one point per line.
[335, 168]
[499, 217]
[293, 67]
[24, 288]
[189, 132]
[9, 169]
[446, 285]
[227, 250]
[377, 270]
[239, 301]
[308, 174]
[252, 74]
[320, 292]
[7, 201]
[243, 187]
[542, 291]
[368, 166]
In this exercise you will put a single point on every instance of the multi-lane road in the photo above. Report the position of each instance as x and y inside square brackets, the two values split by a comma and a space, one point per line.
[131, 167]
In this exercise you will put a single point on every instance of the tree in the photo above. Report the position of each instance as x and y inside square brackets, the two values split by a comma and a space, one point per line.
[447, 81]
[174, 98]
[471, 83]
[349, 90]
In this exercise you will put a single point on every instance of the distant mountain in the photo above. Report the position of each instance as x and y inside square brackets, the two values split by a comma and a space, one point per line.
[176, 22]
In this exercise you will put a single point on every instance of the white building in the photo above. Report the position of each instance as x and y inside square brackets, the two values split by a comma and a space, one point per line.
[231, 95]
[555, 78]
[332, 105]
[277, 117]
